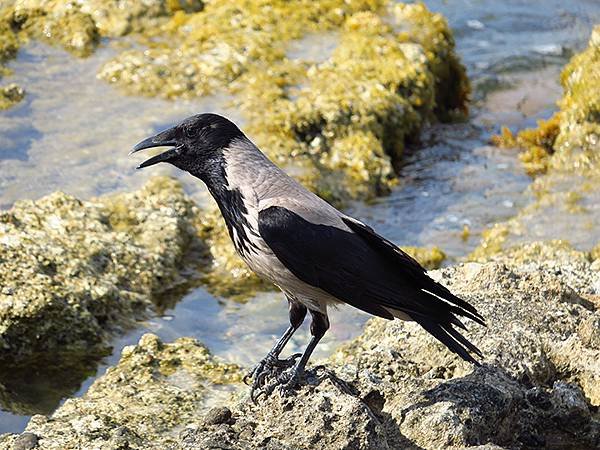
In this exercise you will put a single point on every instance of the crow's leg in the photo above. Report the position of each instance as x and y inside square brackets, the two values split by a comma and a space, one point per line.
[290, 379]
[272, 362]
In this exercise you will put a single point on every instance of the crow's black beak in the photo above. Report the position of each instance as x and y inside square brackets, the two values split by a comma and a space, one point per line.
[163, 139]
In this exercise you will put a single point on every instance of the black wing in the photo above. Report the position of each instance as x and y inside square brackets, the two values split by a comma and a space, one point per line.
[366, 271]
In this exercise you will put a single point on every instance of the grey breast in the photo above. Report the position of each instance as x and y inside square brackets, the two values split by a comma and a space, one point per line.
[262, 185]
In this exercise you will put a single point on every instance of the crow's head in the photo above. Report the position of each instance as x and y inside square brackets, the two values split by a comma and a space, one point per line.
[195, 143]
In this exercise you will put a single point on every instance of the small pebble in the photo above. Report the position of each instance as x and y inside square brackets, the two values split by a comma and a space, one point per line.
[215, 416]
[25, 441]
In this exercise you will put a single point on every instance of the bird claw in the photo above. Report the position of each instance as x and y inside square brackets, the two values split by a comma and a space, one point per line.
[269, 367]
[288, 381]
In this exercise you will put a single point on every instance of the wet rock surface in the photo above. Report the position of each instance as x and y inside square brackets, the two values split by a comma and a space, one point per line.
[395, 386]
[10, 95]
[72, 272]
[137, 404]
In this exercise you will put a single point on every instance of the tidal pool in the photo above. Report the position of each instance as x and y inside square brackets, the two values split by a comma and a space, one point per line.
[72, 133]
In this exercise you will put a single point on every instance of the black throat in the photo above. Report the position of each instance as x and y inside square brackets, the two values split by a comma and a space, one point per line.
[232, 206]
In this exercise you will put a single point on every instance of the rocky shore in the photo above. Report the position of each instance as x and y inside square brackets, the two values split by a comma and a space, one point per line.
[73, 273]
[392, 387]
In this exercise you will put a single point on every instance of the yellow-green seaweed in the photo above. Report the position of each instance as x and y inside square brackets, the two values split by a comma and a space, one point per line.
[429, 257]
[537, 143]
[77, 26]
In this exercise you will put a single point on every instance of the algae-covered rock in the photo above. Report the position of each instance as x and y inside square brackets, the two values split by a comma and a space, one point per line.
[537, 144]
[563, 153]
[537, 388]
[140, 402]
[393, 387]
[570, 139]
[71, 271]
[342, 123]
[77, 25]
[10, 95]
[56, 21]
[9, 43]
[429, 257]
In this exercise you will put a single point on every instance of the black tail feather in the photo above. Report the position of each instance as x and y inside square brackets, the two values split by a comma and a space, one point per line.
[450, 338]
[463, 340]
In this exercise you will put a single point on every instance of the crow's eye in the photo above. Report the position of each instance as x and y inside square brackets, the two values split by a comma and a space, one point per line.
[190, 131]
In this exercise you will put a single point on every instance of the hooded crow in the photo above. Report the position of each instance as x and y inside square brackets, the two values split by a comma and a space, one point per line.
[317, 255]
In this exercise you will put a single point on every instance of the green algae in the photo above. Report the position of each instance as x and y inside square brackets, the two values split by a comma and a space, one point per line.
[537, 144]
[569, 140]
[11, 94]
[72, 272]
[578, 142]
[216, 45]
[57, 22]
[345, 121]
[429, 257]
[535, 252]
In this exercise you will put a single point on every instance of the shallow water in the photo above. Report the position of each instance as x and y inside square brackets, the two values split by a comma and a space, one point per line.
[72, 133]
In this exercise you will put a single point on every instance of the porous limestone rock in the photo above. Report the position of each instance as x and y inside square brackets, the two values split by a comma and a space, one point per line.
[137, 404]
[73, 271]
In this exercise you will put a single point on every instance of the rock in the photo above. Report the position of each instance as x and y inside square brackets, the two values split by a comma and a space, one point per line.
[77, 25]
[217, 416]
[10, 95]
[25, 441]
[140, 402]
[345, 129]
[73, 272]
[393, 387]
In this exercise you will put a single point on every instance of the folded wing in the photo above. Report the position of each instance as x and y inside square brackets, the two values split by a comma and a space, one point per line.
[361, 268]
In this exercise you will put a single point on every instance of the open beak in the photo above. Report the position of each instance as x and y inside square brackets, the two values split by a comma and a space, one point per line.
[163, 139]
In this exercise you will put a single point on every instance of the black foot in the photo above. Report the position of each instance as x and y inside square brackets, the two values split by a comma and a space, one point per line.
[270, 367]
[289, 380]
